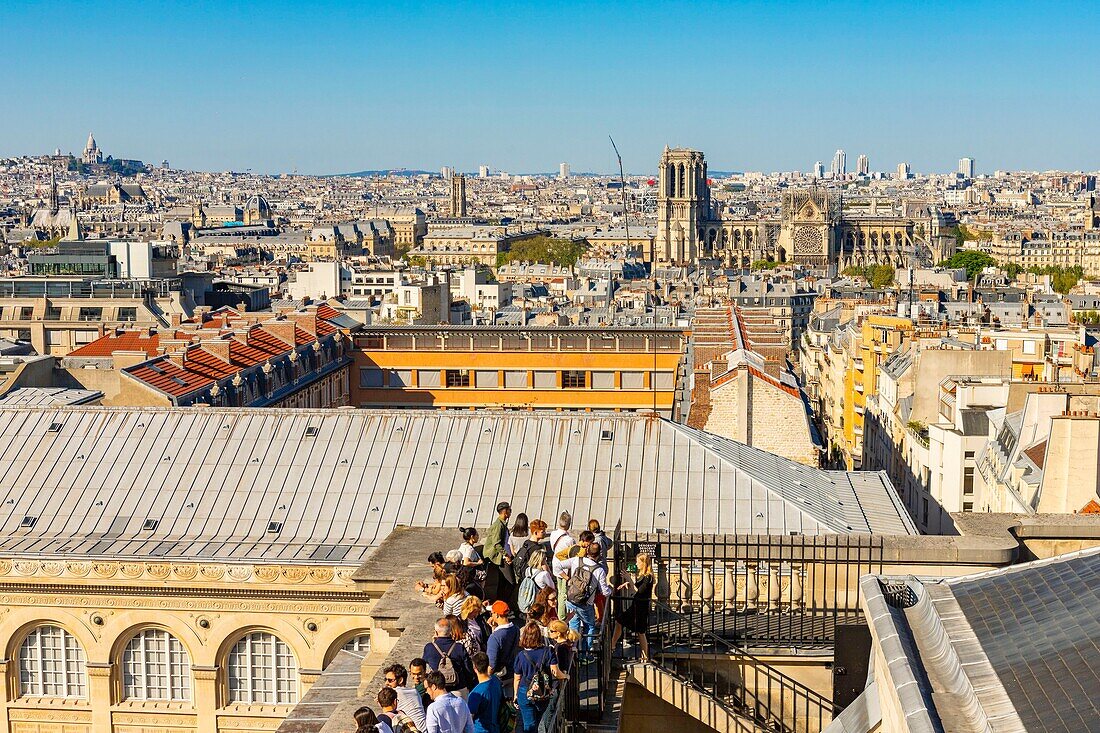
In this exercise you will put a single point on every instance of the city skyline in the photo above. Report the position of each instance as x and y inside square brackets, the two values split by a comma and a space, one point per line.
[276, 87]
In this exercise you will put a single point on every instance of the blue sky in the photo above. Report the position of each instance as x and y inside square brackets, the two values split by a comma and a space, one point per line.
[326, 87]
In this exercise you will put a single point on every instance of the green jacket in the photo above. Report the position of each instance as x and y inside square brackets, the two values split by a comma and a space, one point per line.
[493, 549]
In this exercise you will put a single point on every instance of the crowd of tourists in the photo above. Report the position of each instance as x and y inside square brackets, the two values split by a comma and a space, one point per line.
[514, 616]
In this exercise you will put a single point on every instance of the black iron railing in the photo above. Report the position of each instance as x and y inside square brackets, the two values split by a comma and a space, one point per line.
[582, 697]
[740, 683]
[759, 590]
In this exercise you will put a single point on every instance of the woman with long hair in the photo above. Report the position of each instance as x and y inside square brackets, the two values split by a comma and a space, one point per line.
[533, 660]
[548, 597]
[519, 532]
[473, 610]
[454, 595]
[460, 632]
[565, 639]
[367, 722]
[634, 616]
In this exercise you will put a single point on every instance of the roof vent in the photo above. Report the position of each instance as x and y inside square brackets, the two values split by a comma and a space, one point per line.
[274, 527]
[28, 522]
[55, 427]
[607, 434]
[311, 431]
[149, 525]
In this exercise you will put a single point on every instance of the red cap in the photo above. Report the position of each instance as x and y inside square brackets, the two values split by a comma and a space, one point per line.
[500, 608]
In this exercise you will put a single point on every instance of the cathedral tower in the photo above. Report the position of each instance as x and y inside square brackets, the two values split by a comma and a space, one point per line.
[683, 204]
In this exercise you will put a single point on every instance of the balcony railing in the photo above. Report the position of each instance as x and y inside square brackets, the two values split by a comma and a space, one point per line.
[766, 590]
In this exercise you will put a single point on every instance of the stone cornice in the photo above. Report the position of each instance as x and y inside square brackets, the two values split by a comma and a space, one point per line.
[218, 592]
[178, 572]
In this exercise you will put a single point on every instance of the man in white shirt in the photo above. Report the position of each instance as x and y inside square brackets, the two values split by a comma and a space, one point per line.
[560, 539]
[448, 712]
[584, 609]
[408, 699]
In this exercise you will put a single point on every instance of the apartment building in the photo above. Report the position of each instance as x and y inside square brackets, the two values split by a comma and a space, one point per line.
[59, 314]
[557, 368]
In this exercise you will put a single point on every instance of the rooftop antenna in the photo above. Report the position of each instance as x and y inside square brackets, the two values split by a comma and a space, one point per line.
[626, 225]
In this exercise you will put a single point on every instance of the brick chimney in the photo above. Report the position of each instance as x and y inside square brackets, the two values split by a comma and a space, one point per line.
[306, 321]
[282, 330]
[175, 319]
[219, 348]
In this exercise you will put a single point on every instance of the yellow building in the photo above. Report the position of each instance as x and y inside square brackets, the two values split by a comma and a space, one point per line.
[563, 368]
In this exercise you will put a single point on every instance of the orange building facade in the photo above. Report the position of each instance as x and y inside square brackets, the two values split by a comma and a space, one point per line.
[552, 368]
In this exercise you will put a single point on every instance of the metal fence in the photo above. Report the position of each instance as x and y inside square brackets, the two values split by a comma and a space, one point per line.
[740, 683]
[758, 590]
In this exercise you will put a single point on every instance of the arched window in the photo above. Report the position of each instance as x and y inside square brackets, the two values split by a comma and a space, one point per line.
[262, 669]
[155, 666]
[360, 643]
[51, 664]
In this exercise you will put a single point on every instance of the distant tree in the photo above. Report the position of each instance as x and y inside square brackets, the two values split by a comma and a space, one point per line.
[764, 265]
[878, 276]
[974, 262]
[545, 250]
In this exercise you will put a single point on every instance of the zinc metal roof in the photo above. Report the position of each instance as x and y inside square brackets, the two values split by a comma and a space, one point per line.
[336, 482]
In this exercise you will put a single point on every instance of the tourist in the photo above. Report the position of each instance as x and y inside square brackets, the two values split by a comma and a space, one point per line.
[536, 541]
[449, 657]
[410, 701]
[560, 537]
[634, 616]
[536, 668]
[367, 722]
[564, 640]
[487, 697]
[470, 556]
[586, 579]
[561, 566]
[601, 539]
[535, 615]
[398, 721]
[448, 713]
[454, 596]
[518, 534]
[503, 644]
[548, 597]
[432, 588]
[460, 634]
[476, 626]
[499, 580]
[418, 673]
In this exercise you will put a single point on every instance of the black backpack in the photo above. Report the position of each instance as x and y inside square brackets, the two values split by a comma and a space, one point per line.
[540, 688]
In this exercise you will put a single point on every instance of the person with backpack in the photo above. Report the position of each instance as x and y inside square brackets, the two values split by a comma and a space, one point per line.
[536, 670]
[409, 700]
[449, 658]
[534, 542]
[535, 578]
[586, 578]
[398, 721]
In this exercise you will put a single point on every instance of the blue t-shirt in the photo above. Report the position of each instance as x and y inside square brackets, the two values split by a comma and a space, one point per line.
[484, 701]
[529, 661]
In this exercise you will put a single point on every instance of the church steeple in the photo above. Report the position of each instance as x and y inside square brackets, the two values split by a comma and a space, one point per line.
[54, 205]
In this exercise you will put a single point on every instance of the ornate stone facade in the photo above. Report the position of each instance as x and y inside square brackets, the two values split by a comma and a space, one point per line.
[207, 606]
[812, 230]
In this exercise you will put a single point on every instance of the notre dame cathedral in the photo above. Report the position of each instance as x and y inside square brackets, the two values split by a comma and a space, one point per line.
[813, 229]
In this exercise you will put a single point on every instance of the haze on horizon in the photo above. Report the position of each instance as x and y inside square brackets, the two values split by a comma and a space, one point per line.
[325, 87]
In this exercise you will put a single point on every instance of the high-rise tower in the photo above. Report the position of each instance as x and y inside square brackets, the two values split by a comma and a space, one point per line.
[683, 204]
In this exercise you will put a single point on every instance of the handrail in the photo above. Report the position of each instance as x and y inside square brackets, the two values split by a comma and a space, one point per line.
[773, 698]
